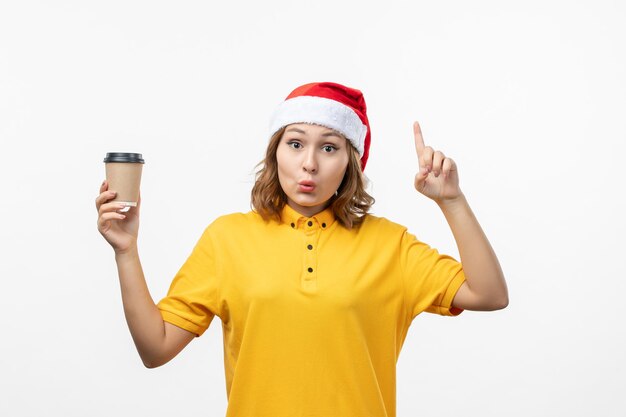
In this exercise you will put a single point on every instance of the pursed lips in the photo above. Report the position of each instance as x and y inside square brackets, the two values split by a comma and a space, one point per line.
[306, 186]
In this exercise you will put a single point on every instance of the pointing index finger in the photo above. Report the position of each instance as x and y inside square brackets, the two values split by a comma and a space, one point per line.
[419, 140]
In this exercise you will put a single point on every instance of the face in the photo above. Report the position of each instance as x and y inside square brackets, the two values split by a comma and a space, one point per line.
[312, 161]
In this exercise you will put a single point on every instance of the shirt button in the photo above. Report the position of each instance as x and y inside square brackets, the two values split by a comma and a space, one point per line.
[309, 247]
[310, 269]
[293, 225]
[310, 223]
[323, 224]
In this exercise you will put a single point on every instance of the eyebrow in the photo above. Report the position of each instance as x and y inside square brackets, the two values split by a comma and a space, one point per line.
[295, 129]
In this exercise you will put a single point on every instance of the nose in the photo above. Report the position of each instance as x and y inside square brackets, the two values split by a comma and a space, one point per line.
[309, 164]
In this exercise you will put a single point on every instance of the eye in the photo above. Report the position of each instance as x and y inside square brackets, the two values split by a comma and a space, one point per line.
[295, 145]
[328, 148]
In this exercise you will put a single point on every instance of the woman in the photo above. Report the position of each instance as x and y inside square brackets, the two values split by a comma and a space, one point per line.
[315, 295]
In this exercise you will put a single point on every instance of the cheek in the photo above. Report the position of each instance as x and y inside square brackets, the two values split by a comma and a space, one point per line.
[283, 167]
[280, 161]
[340, 172]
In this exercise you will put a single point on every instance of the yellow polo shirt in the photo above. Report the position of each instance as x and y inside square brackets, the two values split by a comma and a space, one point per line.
[313, 315]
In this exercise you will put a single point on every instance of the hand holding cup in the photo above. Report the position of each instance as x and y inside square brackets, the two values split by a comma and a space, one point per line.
[117, 228]
[118, 208]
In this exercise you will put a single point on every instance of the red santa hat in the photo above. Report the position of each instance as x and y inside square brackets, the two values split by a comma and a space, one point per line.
[331, 105]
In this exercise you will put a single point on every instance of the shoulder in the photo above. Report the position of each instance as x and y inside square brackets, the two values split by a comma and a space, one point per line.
[228, 223]
[378, 225]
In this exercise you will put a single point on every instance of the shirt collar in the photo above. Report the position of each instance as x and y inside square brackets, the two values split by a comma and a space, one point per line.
[324, 219]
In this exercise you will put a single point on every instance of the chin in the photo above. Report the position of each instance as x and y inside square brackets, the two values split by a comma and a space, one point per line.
[309, 201]
[305, 202]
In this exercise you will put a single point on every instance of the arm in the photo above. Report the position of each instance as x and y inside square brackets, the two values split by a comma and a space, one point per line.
[485, 287]
[157, 341]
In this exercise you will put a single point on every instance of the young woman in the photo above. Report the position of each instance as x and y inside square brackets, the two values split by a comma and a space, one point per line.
[315, 295]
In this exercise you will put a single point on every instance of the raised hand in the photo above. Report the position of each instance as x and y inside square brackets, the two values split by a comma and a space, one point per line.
[437, 177]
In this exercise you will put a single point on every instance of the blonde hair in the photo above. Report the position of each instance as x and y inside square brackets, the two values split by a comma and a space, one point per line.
[350, 204]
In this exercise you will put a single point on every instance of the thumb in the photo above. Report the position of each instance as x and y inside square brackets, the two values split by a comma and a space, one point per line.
[420, 178]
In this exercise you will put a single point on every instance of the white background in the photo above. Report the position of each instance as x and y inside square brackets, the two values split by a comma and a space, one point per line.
[529, 98]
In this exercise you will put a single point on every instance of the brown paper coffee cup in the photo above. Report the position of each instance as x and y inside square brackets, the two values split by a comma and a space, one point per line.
[123, 173]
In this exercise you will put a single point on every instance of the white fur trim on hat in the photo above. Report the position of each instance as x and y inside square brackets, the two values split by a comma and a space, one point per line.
[322, 111]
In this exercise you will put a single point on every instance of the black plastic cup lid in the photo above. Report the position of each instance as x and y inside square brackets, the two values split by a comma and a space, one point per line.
[124, 157]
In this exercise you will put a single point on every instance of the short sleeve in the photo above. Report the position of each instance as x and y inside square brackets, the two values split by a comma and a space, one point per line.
[430, 279]
[191, 301]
